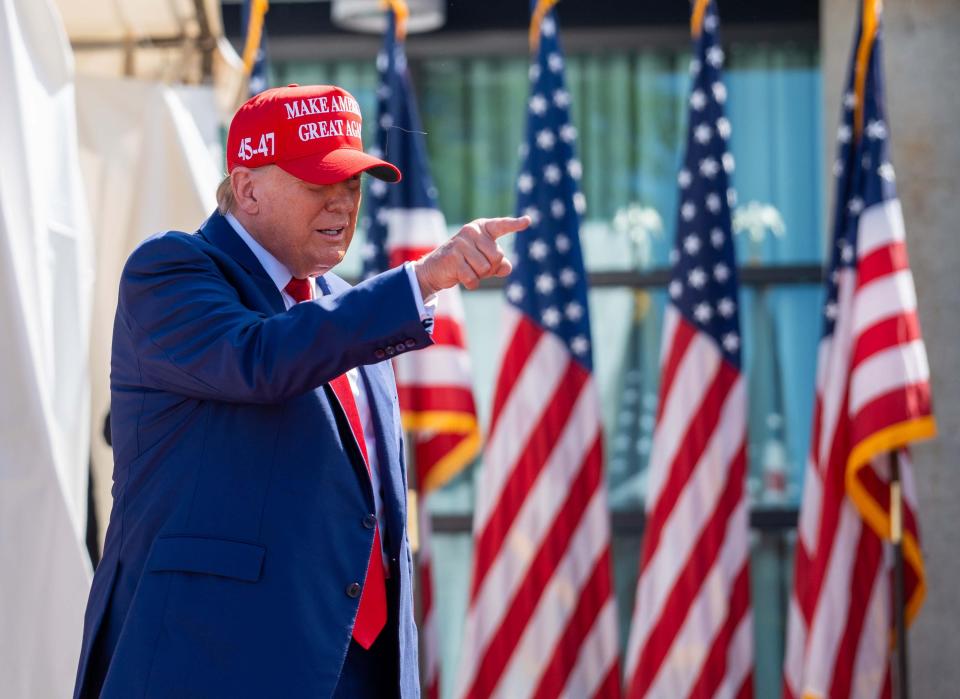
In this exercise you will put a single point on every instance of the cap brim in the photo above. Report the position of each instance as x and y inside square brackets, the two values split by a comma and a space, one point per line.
[339, 165]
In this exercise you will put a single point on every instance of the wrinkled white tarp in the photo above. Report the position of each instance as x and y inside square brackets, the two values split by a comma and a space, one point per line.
[45, 302]
[150, 157]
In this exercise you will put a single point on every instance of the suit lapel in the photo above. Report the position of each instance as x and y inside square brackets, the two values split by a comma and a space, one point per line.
[217, 231]
[381, 400]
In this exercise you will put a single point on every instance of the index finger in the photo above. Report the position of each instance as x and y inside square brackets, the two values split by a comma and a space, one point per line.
[498, 227]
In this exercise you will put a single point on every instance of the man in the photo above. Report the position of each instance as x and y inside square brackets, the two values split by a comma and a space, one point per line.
[256, 546]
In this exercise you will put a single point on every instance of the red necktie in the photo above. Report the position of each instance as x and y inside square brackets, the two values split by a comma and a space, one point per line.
[372, 612]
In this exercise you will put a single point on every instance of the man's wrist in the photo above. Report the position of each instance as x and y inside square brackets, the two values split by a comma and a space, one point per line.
[426, 289]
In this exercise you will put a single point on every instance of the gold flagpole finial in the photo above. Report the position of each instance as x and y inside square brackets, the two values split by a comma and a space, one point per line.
[696, 17]
[402, 13]
[539, 12]
[258, 8]
[868, 35]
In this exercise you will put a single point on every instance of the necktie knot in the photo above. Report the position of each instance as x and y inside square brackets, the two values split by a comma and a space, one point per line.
[299, 289]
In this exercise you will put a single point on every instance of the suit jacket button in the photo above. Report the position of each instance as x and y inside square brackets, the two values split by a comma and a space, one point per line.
[353, 590]
[378, 354]
[390, 351]
[401, 347]
[370, 521]
[410, 342]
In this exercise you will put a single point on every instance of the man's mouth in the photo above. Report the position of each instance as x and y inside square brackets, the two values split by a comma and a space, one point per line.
[332, 232]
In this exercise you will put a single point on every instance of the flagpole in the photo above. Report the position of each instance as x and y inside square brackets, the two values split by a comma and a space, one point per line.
[902, 685]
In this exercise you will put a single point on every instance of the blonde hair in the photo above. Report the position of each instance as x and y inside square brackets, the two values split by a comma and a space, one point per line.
[225, 198]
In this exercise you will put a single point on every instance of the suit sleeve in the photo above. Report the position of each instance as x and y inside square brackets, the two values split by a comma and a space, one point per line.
[192, 334]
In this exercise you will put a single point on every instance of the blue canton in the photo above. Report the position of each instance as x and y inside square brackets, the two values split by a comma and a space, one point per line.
[703, 283]
[400, 140]
[548, 282]
[863, 171]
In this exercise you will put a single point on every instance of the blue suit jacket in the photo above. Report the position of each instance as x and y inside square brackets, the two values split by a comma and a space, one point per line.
[239, 497]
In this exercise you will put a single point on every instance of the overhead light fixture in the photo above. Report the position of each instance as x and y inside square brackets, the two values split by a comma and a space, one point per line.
[370, 15]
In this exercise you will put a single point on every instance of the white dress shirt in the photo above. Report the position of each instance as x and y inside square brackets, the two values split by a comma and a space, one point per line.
[281, 276]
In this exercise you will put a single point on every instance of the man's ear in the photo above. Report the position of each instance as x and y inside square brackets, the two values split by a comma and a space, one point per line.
[243, 182]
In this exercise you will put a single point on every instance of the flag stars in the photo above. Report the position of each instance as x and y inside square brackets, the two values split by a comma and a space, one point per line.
[575, 169]
[676, 289]
[382, 217]
[876, 130]
[724, 128]
[525, 182]
[562, 242]
[886, 172]
[551, 317]
[691, 244]
[557, 209]
[378, 188]
[703, 133]
[580, 345]
[855, 205]
[674, 256]
[721, 272]
[717, 238]
[709, 167]
[368, 251]
[731, 342]
[534, 214]
[568, 133]
[837, 167]
[552, 174]
[702, 312]
[386, 120]
[688, 211]
[847, 253]
[548, 27]
[714, 203]
[579, 202]
[515, 292]
[830, 310]
[555, 62]
[573, 311]
[719, 92]
[538, 104]
[710, 23]
[844, 133]
[568, 277]
[698, 100]
[545, 283]
[726, 307]
[561, 98]
[534, 72]
[729, 164]
[715, 56]
[849, 100]
[697, 278]
[539, 250]
[546, 139]
[383, 61]
[695, 66]
[684, 178]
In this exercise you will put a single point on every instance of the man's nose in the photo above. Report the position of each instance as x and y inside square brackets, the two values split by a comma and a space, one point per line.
[341, 197]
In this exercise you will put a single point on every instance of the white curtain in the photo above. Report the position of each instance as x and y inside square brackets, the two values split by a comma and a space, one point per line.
[151, 158]
[45, 301]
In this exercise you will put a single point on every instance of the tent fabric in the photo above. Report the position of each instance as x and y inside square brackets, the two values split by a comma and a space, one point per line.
[176, 41]
[45, 305]
[149, 154]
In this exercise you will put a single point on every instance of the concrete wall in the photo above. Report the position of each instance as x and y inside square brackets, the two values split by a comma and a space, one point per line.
[922, 60]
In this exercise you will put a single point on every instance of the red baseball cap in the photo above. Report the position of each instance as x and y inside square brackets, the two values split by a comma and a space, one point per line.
[310, 131]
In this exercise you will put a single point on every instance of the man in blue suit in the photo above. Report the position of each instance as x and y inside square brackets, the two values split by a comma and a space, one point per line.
[257, 544]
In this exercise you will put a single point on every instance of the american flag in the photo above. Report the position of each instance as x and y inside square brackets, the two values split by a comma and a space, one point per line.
[691, 633]
[541, 620]
[872, 396]
[434, 384]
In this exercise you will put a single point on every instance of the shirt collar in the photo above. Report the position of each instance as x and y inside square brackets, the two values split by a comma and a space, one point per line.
[274, 268]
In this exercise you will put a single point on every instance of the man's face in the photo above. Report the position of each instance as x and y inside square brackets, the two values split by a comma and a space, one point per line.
[307, 227]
